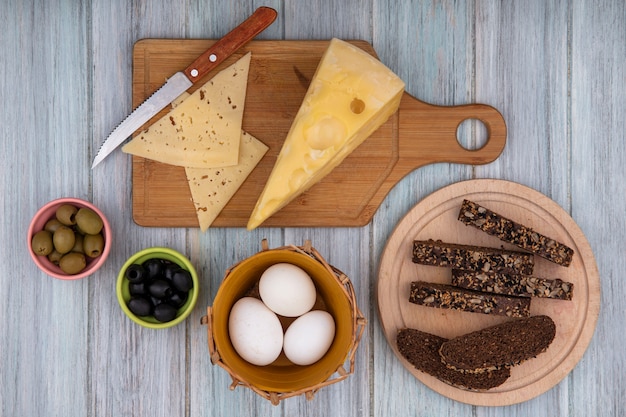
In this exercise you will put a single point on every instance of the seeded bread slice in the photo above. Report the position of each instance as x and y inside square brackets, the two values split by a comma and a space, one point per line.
[517, 285]
[502, 345]
[431, 294]
[507, 230]
[470, 257]
[422, 351]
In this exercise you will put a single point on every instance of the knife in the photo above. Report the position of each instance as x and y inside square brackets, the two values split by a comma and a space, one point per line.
[181, 81]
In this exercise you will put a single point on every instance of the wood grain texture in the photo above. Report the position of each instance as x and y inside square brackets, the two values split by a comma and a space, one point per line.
[132, 370]
[435, 217]
[280, 72]
[555, 69]
[597, 128]
[40, 162]
[243, 33]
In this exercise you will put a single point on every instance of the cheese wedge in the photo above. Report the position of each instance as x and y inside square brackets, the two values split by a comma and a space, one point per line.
[204, 130]
[212, 188]
[350, 96]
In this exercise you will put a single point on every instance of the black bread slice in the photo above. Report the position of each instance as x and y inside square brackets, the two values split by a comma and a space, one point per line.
[502, 345]
[507, 230]
[422, 351]
[513, 285]
[431, 294]
[472, 258]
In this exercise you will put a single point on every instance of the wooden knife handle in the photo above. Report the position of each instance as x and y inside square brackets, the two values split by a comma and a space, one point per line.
[231, 42]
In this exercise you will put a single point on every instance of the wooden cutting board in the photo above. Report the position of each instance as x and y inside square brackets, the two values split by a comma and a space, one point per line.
[280, 72]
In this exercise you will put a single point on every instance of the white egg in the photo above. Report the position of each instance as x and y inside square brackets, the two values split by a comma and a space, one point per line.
[255, 331]
[287, 290]
[309, 337]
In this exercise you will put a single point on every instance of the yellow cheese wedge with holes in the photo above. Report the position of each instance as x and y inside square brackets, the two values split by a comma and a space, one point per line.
[350, 96]
[204, 130]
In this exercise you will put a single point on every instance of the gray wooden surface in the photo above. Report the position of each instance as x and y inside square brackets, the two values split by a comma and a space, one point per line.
[555, 69]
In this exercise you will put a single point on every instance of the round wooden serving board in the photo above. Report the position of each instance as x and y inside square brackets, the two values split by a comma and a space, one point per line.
[435, 217]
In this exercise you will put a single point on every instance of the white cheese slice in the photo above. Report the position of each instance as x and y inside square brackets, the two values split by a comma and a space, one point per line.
[204, 130]
[212, 188]
[350, 96]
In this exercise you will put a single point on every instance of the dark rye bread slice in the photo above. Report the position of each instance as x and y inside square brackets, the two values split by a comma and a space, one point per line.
[516, 285]
[422, 351]
[502, 345]
[431, 294]
[473, 258]
[507, 230]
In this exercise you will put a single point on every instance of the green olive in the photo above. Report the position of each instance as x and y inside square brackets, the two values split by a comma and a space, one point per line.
[88, 221]
[52, 225]
[42, 243]
[93, 245]
[66, 214]
[72, 263]
[55, 257]
[78, 230]
[63, 239]
[78, 243]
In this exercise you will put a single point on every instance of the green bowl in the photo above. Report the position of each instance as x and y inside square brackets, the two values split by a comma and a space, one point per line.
[123, 294]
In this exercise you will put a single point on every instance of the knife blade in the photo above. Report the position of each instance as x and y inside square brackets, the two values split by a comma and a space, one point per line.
[182, 80]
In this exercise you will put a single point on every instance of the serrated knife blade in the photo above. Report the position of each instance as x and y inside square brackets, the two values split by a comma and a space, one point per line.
[181, 81]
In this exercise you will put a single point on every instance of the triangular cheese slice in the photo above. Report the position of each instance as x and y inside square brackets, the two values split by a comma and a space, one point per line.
[204, 130]
[350, 96]
[212, 188]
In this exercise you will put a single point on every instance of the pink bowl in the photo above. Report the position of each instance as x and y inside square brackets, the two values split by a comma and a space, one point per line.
[46, 213]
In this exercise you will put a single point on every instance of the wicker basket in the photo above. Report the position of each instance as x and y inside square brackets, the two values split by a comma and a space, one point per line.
[283, 379]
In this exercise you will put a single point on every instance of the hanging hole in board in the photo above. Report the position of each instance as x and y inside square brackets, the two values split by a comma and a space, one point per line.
[472, 134]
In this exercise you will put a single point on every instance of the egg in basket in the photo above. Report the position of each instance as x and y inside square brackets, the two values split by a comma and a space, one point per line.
[306, 345]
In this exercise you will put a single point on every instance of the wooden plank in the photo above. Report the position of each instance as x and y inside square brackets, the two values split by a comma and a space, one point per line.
[526, 76]
[44, 64]
[521, 68]
[598, 200]
[554, 69]
[430, 47]
[133, 371]
[521, 65]
[419, 134]
[348, 251]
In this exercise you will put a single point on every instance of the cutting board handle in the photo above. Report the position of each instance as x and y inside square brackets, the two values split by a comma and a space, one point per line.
[428, 133]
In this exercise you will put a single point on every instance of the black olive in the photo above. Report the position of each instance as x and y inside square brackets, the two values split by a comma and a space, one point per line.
[169, 270]
[154, 268]
[177, 299]
[155, 301]
[138, 288]
[134, 273]
[160, 288]
[181, 280]
[140, 306]
[164, 312]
